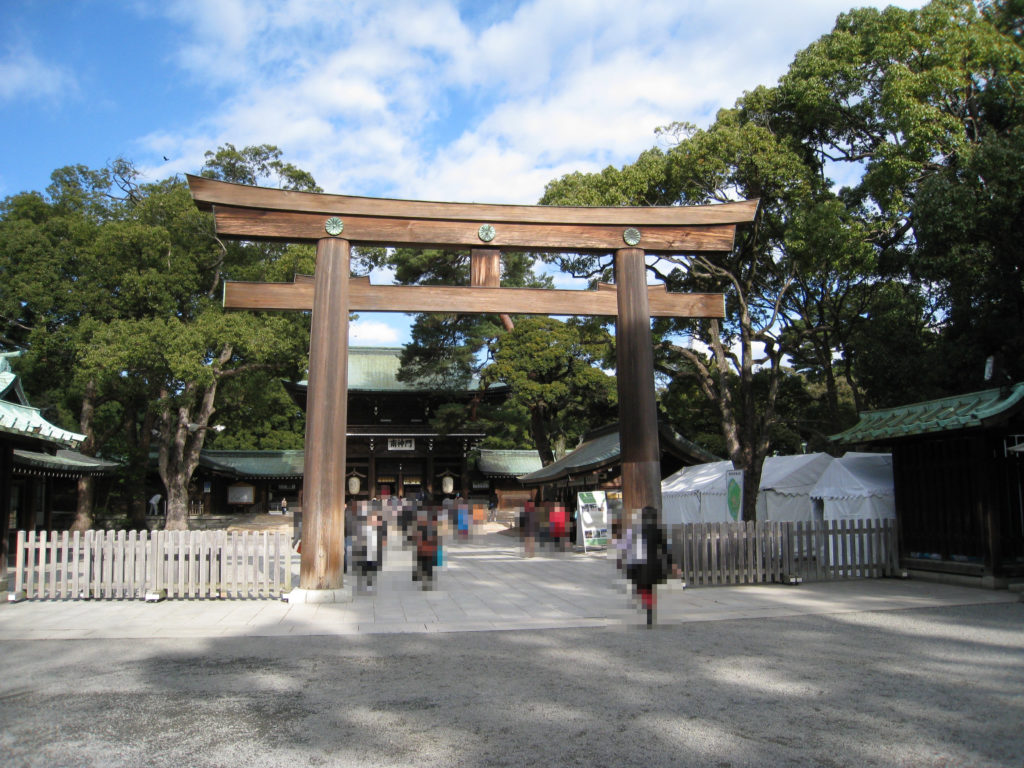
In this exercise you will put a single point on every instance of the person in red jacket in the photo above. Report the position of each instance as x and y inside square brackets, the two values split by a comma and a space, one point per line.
[558, 525]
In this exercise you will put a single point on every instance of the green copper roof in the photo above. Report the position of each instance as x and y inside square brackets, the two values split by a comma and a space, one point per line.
[375, 369]
[17, 417]
[25, 421]
[507, 463]
[65, 463]
[976, 409]
[591, 455]
[603, 449]
[252, 464]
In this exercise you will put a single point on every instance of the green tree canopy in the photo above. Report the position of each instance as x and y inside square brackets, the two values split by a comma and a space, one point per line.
[114, 291]
[553, 372]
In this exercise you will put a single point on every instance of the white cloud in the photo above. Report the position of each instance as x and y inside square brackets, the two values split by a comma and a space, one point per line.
[427, 100]
[25, 76]
[368, 333]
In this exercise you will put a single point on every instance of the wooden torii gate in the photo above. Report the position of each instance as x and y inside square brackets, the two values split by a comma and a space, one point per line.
[335, 222]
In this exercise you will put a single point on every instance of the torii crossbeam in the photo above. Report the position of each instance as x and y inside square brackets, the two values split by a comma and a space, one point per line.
[335, 222]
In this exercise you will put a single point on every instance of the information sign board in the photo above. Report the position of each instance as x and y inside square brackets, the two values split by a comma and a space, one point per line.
[592, 519]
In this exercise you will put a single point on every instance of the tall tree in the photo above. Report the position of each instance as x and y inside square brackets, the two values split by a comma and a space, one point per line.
[735, 158]
[553, 372]
[925, 106]
[124, 305]
[920, 111]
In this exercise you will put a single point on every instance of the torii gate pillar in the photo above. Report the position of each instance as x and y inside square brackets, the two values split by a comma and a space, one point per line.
[638, 412]
[323, 530]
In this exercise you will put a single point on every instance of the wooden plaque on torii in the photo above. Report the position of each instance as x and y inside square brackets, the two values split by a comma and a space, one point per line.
[335, 222]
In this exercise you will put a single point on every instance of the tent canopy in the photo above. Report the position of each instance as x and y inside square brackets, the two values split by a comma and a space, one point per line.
[856, 475]
[789, 486]
[793, 475]
[708, 478]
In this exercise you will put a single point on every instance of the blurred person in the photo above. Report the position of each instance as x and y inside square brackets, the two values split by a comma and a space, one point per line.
[648, 560]
[427, 543]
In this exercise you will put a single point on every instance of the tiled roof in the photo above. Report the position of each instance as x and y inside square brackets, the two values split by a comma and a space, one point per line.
[252, 464]
[25, 421]
[17, 417]
[375, 369]
[603, 450]
[507, 463]
[975, 409]
[65, 463]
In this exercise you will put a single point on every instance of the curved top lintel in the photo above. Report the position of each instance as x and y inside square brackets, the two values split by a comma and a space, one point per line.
[210, 192]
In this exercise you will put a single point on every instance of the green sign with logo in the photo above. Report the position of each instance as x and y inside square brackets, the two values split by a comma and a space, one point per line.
[734, 493]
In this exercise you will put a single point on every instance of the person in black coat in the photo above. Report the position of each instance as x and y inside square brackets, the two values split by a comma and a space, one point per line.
[648, 560]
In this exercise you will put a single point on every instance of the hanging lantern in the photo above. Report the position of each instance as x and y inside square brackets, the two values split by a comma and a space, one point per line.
[354, 483]
[448, 483]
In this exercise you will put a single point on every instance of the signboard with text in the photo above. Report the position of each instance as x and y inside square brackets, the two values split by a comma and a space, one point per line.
[241, 494]
[592, 519]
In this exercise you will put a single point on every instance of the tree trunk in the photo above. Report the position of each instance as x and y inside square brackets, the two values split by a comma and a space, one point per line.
[751, 486]
[138, 438]
[83, 506]
[137, 504]
[86, 485]
[541, 438]
[177, 502]
[182, 438]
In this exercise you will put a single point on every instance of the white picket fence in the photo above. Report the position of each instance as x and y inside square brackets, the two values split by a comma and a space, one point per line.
[128, 565]
[759, 552]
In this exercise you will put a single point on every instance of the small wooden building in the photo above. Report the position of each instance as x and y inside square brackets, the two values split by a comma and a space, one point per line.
[25, 439]
[958, 474]
[596, 464]
[501, 470]
[230, 482]
[44, 487]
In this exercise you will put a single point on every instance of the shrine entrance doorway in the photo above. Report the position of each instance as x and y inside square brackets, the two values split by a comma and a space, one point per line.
[336, 222]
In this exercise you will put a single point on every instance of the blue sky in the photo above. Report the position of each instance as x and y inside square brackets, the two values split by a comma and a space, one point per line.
[434, 100]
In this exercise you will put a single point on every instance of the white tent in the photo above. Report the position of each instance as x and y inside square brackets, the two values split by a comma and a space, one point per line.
[857, 486]
[696, 494]
[786, 483]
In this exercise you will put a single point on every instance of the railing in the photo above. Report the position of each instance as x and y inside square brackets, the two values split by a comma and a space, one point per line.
[142, 564]
[757, 552]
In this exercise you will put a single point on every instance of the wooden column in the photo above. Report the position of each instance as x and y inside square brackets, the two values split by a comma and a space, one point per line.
[48, 503]
[323, 514]
[485, 267]
[485, 272]
[983, 466]
[6, 469]
[638, 415]
[371, 480]
[27, 505]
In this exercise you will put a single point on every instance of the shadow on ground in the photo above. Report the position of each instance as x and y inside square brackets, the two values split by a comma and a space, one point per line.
[923, 687]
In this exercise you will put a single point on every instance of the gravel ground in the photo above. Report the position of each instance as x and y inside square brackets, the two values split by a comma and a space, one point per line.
[927, 687]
